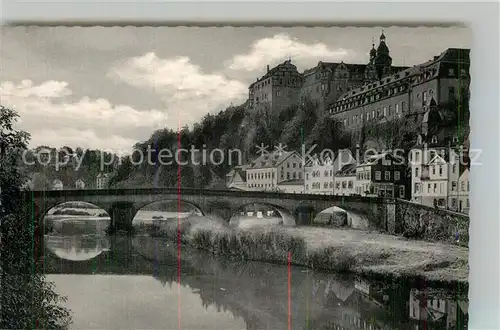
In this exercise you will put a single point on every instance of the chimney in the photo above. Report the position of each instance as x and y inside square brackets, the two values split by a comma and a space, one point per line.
[268, 68]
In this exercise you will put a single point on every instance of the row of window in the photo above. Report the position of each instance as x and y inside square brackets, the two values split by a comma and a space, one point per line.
[317, 185]
[360, 100]
[260, 176]
[386, 111]
[433, 187]
[317, 173]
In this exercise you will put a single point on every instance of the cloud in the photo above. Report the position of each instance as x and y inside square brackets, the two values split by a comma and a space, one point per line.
[53, 120]
[183, 86]
[278, 48]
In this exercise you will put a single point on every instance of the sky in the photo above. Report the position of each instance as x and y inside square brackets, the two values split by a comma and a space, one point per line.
[110, 87]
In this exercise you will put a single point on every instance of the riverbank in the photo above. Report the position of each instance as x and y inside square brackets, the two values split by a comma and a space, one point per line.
[339, 250]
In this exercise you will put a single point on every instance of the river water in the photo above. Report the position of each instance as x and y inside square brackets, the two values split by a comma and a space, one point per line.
[135, 283]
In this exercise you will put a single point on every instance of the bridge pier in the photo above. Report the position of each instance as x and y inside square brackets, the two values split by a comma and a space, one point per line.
[122, 214]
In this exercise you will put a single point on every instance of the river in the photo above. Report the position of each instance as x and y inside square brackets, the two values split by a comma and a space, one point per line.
[135, 283]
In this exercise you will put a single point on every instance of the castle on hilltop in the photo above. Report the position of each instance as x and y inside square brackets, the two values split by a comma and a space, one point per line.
[376, 92]
[283, 85]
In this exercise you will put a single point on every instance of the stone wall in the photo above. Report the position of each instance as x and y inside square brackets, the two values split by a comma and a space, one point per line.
[417, 221]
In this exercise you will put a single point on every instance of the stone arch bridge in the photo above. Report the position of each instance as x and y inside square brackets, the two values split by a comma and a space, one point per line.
[123, 204]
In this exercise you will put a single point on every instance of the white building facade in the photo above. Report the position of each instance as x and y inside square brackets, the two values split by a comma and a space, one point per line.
[267, 171]
[102, 180]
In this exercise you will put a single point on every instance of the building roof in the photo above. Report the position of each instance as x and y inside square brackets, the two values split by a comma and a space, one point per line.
[347, 170]
[285, 66]
[273, 159]
[291, 182]
[450, 55]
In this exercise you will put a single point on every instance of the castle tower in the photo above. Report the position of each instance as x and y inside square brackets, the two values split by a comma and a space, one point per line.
[370, 70]
[383, 60]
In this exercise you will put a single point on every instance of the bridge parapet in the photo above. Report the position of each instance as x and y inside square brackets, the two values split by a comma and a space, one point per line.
[223, 203]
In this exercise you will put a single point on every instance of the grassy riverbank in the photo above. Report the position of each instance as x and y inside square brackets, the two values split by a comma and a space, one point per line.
[340, 250]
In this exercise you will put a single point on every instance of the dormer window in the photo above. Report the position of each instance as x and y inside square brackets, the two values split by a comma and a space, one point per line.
[434, 139]
[455, 139]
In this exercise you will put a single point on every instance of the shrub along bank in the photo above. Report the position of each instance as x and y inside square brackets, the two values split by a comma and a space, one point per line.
[338, 250]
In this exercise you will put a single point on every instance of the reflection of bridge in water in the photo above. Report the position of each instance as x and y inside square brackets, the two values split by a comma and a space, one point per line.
[258, 292]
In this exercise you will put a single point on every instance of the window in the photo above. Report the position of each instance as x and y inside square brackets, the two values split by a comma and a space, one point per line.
[385, 111]
[325, 185]
[468, 187]
[337, 185]
[462, 185]
[307, 176]
[440, 170]
[387, 175]
[434, 139]
[378, 175]
[454, 169]
[416, 187]
[416, 172]
[326, 173]
[373, 114]
[453, 186]
[435, 187]
[287, 165]
[350, 184]
[463, 72]
[428, 187]
[397, 176]
[278, 93]
[344, 184]
[288, 175]
[467, 203]
[403, 106]
[307, 187]
[453, 202]
[451, 72]
[433, 170]
[401, 192]
[300, 175]
[331, 184]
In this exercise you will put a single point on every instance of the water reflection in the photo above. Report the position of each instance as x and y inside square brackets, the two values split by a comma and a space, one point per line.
[76, 247]
[222, 294]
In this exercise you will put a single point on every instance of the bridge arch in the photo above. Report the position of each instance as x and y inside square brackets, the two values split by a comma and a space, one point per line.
[54, 216]
[287, 217]
[336, 214]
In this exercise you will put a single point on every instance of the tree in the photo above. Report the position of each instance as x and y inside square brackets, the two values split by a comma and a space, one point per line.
[28, 301]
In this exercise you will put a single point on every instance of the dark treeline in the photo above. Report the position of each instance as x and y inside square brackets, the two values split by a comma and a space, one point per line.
[231, 129]
[45, 164]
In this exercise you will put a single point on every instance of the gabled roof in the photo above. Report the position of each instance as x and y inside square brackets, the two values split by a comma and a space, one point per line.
[291, 182]
[273, 159]
[347, 170]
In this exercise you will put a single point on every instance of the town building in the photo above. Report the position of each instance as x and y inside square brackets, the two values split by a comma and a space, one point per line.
[462, 203]
[267, 170]
[80, 184]
[439, 83]
[102, 180]
[319, 172]
[57, 185]
[278, 89]
[237, 178]
[327, 82]
[436, 175]
[381, 175]
[293, 186]
[343, 181]
[283, 85]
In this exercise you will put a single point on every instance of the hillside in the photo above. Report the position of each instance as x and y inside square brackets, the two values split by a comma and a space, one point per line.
[235, 128]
